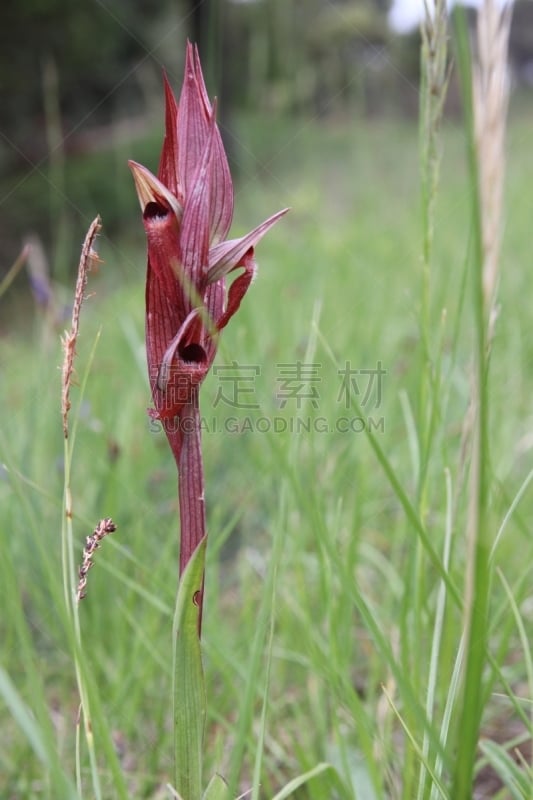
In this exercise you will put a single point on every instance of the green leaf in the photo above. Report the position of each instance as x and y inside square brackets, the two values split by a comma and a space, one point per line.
[305, 777]
[189, 687]
[512, 775]
[22, 716]
[217, 789]
[26, 721]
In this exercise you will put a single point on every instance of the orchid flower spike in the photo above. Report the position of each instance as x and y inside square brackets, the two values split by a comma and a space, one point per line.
[187, 212]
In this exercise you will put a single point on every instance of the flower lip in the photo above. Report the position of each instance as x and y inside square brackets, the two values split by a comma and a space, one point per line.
[154, 197]
[154, 210]
[193, 353]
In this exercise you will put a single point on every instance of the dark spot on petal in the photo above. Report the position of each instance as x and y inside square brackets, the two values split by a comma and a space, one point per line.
[155, 210]
[196, 598]
[192, 353]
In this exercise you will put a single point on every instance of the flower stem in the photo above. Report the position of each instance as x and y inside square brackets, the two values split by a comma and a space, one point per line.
[191, 490]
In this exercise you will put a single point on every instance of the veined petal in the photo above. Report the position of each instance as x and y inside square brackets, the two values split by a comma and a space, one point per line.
[221, 192]
[193, 119]
[172, 377]
[237, 290]
[197, 69]
[195, 225]
[168, 162]
[226, 256]
[196, 353]
[161, 217]
[162, 321]
[151, 190]
[221, 183]
[183, 366]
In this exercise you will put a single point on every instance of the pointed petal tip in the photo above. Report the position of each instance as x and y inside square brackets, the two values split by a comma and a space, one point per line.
[225, 256]
[143, 183]
[151, 190]
[191, 54]
[169, 92]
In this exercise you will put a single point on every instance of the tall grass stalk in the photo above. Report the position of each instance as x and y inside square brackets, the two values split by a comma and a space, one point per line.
[70, 576]
[435, 74]
[485, 91]
[433, 89]
[74, 579]
[434, 83]
[28, 705]
[436, 644]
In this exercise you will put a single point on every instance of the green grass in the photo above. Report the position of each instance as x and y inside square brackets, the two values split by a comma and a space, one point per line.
[328, 583]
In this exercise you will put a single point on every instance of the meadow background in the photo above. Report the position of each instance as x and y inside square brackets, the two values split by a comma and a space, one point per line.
[330, 634]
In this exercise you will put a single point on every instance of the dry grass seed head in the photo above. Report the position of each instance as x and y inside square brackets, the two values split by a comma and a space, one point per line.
[92, 543]
[491, 96]
[88, 259]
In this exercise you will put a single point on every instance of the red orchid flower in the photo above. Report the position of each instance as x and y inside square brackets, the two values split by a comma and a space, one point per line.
[187, 212]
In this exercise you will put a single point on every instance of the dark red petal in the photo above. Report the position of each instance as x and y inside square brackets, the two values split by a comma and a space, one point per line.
[195, 233]
[225, 256]
[221, 193]
[162, 322]
[168, 162]
[221, 185]
[164, 256]
[162, 218]
[182, 368]
[185, 346]
[238, 289]
[197, 69]
[193, 121]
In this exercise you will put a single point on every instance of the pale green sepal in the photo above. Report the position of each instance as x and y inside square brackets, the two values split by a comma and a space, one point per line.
[217, 789]
[189, 687]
